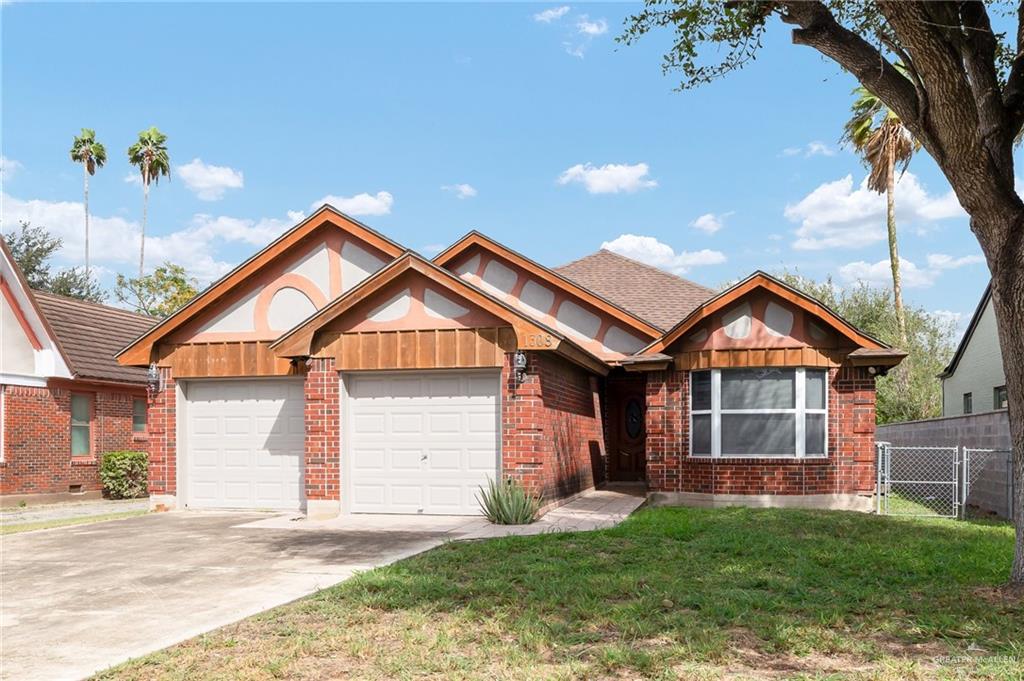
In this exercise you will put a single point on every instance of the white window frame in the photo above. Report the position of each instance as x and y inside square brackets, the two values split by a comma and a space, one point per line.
[800, 410]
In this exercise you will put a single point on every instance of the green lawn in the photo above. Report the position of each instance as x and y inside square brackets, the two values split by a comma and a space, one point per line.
[671, 593]
[14, 528]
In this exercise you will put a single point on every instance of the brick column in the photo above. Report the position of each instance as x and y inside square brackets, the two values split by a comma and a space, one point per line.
[161, 429]
[522, 431]
[322, 462]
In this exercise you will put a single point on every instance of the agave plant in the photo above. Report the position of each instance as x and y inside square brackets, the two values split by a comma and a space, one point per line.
[508, 503]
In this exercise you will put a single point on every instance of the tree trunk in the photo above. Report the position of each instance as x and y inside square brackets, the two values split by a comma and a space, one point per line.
[894, 253]
[145, 208]
[85, 171]
[1008, 304]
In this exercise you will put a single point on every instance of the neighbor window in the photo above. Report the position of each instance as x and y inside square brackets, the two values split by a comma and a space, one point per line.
[968, 403]
[999, 397]
[138, 415]
[81, 416]
[759, 412]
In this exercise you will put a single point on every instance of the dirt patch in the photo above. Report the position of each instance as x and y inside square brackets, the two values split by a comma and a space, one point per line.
[1007, 594]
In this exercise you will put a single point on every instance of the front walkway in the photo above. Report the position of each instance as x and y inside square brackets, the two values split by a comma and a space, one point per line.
[593, 510]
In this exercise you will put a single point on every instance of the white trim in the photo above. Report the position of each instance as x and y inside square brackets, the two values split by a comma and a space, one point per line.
[799, 411]
[23, 380]
[3, 394]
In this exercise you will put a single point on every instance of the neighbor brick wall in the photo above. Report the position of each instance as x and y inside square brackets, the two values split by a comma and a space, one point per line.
[37, 438]
[552, 426]
[848, 469]
[322, 464]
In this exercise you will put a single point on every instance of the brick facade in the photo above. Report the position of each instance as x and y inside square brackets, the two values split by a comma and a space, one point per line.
[552, 426]
[163, 438]
[37, 437]
[322, 464]
[849, 467]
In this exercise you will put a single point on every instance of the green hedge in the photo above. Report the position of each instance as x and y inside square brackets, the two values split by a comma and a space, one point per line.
[123, 474]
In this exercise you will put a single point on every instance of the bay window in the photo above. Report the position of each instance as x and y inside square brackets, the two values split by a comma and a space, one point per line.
[764, 412]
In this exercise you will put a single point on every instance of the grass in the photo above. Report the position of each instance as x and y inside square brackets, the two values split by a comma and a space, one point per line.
[7, 528]
[670, 593]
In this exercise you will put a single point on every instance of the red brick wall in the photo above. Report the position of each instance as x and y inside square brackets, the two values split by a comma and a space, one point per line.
[848, 469]
[37, 438]
[322, 465]
[163, 438]
[552, 426]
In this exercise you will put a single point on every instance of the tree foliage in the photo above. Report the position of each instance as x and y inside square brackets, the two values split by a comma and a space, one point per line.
[32, 248]
[158, 294]
[913, 390]
[87, 151]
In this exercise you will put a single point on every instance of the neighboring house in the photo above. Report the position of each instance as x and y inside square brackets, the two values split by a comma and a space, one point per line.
[64, 399]
[974, 381]
[336, 371]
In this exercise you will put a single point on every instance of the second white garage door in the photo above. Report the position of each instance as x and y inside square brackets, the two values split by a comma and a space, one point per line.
[243, 444]
[419, 442]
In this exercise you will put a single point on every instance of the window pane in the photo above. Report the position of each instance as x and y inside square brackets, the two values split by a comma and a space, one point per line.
[814, 435]
[758, 389]
[814, 388]
[999, 397]
[80, 408]
[758, 434]
[80, 440]
[701, 391]
[138, 415]
[701, 434]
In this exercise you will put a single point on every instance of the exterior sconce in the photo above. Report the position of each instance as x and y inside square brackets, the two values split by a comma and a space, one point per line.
[520, 366]
[154, 383]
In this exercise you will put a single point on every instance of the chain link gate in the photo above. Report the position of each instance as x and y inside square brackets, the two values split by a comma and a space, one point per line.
[919, 481]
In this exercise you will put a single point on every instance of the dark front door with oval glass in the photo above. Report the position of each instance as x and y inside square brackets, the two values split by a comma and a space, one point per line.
[628, 432]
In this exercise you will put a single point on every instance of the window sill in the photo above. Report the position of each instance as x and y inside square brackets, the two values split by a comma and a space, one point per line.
[733, 458]
[140, 437]
[83, 461]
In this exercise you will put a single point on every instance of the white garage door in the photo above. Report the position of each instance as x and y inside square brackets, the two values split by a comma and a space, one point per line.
[420, 442]
[244, 442]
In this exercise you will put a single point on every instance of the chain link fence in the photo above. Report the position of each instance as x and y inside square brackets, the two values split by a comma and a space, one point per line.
[944, 482]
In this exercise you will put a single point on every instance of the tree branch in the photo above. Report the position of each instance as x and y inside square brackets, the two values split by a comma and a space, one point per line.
[1013, 93]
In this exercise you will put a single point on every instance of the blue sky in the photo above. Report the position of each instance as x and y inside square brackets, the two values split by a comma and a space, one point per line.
[525, 121]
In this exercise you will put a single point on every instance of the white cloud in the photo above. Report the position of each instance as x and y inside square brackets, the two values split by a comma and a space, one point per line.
[8, 167]
[911, 276]
[610, 178]
[710, 222]
[462, 191]
[573, 50]
[948, 317]
[133, 178]
[552, 14]
[813, 148]
[296, 215]
[835, 215]
[431, 249]
[209, 182]
[360, 204]
[114, 241]
[591, 28]
[649, 250]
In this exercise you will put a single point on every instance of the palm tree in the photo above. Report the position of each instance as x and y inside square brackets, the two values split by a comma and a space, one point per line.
[149, 155]
[91, 154]
[879, 137]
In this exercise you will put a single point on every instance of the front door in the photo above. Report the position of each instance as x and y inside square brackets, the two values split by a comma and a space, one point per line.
[628, 433]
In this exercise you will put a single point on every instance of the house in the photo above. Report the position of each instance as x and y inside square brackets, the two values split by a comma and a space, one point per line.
[64, 399]
[336, 371]
[974, 381]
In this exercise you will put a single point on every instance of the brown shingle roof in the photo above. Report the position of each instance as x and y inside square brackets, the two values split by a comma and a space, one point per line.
[91, 334]
[661, 298]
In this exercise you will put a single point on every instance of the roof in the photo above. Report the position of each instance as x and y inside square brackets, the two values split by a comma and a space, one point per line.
[652, 294]
[553, 277]
[975, 318]
[90, 335]
[883, 353]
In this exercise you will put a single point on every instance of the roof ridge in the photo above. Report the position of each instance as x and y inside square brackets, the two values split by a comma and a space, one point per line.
[93, 303]
[655, 269]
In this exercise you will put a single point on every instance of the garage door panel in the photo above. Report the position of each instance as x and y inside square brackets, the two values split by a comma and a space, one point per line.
[420, 442]
[244, 443]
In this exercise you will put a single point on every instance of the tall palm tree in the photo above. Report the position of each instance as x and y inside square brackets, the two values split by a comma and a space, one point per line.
[91, 154]
[883, 143]
[149, 155]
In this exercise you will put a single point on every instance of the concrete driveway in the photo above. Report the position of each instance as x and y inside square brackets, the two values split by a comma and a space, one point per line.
[77, 600]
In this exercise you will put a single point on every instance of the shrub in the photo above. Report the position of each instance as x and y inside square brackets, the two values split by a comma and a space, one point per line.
[123, 474]
[508, 503]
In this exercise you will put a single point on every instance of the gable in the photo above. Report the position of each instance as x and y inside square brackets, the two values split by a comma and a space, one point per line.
[301, 272]
[596, 325]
